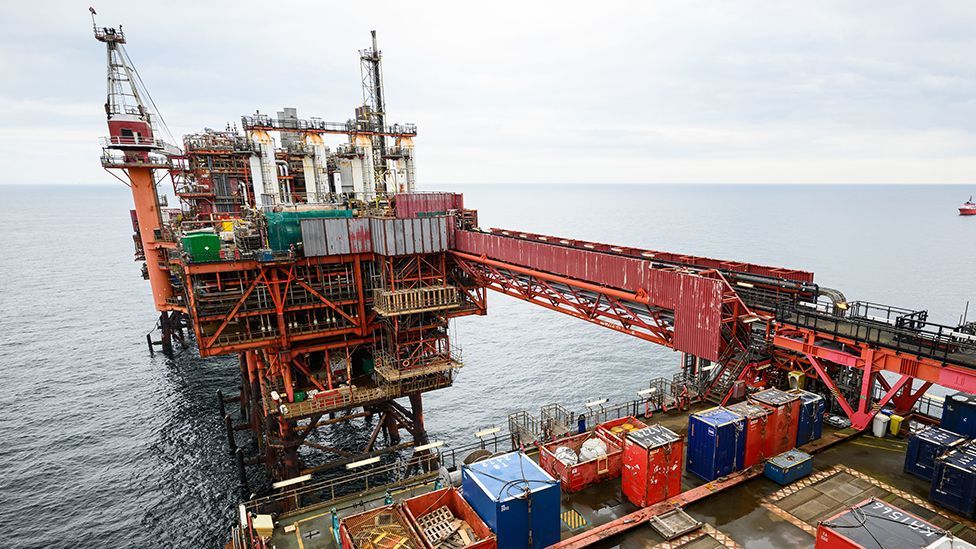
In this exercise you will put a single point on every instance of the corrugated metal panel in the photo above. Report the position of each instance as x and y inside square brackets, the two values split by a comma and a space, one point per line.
[376, 236]
[691, 260]
[697, 301]
[410, 205]
[423, 237]
[359, 236]
[698, 317]
[409, 236]
[337, 236]
[313, 238]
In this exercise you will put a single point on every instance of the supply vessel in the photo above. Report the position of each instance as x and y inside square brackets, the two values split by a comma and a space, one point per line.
[968, 207]
[303, 248]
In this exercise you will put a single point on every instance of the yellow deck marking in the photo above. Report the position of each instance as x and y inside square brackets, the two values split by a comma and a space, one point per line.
[298, 536]
[572, 519]
[879, 447]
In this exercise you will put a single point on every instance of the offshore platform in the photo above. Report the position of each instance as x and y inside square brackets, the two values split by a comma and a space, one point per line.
[333, 281]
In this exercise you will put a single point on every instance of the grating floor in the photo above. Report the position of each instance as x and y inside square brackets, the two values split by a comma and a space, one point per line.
[706, 537]
[818, 497]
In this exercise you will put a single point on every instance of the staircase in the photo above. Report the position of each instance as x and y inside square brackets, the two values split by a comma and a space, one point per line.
[718, 390]
[743, 343]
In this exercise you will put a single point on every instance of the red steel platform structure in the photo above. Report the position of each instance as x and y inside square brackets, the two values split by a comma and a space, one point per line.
[354, 313]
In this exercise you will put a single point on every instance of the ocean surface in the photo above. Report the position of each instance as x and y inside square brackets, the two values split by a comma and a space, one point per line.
[103, 445]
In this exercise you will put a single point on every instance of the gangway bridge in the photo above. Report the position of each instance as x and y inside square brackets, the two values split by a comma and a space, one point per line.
[743, 316]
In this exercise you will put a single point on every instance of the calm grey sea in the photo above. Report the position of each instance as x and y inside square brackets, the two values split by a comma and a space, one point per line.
[102, 444]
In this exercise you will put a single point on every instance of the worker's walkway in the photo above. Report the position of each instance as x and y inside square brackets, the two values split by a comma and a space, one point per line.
[955, 349]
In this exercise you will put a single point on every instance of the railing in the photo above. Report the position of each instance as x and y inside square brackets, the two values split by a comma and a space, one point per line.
[895, 316]
[325, 493]
[344, 397]
[265, 122]
[452, 457]
[118, 160]
[921, 338]
[415, 300]
[927, 405]
[131, 141]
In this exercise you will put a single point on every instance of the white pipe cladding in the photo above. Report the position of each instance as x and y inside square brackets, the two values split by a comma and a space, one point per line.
[321, 156]
[257, 180]
[269, 169]
[409, 168]
[311, 183]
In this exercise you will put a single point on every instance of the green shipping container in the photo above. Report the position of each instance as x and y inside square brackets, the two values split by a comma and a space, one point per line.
[202, 247]
[285, 228]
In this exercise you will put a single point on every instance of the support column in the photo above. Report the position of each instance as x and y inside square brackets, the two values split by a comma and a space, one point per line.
[417, 413]
[166, 330]
[392, 429]
[290, 462]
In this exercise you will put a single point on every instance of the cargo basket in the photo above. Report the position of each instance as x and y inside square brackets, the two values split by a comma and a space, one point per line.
[444, 519]
[380, 528]
[574, 478]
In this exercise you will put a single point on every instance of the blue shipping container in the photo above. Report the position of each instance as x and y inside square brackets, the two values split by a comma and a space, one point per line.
[496, 489]
[788, 467]
[954, 481]
[959, 414]
[716, 443]
[924, 446]
[810, 425]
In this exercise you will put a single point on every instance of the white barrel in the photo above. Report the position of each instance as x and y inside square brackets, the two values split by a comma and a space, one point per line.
[880, 425]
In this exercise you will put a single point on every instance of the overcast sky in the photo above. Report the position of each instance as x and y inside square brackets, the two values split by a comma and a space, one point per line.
[526, 92]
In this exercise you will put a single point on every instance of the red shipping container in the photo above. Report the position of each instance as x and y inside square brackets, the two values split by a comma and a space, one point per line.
[652, 465]
[574, 478]
[783, 422]
[617, 435]
[416, 508]
[758, 445]
[364, 525]
[875, 523]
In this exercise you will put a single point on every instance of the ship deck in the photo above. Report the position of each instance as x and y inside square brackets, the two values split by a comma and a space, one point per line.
[754, 513]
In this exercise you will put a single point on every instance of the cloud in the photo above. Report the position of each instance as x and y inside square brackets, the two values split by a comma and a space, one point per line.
[532, 92]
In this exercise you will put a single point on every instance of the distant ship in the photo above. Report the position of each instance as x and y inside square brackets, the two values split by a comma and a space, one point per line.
[968, 208]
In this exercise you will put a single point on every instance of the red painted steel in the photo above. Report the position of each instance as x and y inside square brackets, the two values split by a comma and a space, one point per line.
[695, 300]
[783, 421]
[360, 240]
[691, 260]
[574, 478]
[607, 428]
[417, 507]
[698, 317]
[651, 475]
[412, 204]
[758, 445]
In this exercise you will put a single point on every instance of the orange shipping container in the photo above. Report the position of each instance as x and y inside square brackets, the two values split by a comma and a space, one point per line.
[759, 446]
[652, 465]
[783, 423]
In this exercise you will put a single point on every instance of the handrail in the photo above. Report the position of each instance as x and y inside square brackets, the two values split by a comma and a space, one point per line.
[918, 337]
[262, 121]
[131, 141]
[328, 490]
